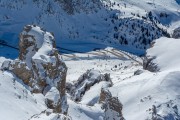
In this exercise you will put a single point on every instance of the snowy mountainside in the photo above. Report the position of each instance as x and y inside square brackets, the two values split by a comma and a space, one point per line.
[77, 64]
[118, 60]
[144, 96]
[96, 23]
[154, 95]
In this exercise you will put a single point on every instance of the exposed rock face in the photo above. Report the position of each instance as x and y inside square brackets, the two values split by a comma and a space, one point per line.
[112, 106]
[166, 111]
[149, 65]
[19, 68]
[39, 65]
[105, 94]
[176, 33]
[86, 81]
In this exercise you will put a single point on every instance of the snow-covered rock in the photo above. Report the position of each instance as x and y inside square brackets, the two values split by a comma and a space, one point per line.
[112, 106]
[39, 64]
[19, 68]
[53, 99]
[165, 111]
[86, 81]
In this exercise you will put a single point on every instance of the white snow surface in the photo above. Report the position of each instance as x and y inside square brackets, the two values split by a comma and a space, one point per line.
[17, 103]
[166, 52]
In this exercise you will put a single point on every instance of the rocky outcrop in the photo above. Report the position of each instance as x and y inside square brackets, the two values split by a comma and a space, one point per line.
[165, 111]
[40, 67]
[149, 65]
[86, 81]
[111, 105]
[176, 33]
[19, 68]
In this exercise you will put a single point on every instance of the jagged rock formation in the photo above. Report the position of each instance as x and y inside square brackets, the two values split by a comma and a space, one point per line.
[112, 105]
[176, 33]
[40, 67]
[165, 111]
[86, 81]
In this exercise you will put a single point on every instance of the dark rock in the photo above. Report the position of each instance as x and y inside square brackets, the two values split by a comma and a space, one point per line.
[138, 72]
[176, 33]
[149, 65]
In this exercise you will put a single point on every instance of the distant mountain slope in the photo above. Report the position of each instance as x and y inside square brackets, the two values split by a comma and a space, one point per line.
[87, 24]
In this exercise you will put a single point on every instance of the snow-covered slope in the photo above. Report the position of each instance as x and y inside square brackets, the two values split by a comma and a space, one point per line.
[17, 103]
[87, 24]
[165, 51]
[145, 95]
[154, 95]
[85, 109]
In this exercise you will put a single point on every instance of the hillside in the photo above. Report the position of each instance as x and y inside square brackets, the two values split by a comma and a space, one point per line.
[129, 26]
